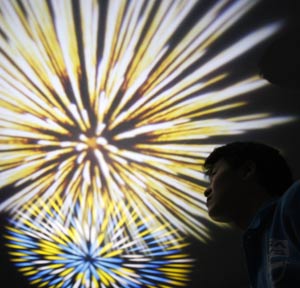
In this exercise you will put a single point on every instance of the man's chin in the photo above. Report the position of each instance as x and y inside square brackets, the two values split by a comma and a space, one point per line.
[219, 218]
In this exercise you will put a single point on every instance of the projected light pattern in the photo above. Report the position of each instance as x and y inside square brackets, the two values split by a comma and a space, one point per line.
[89, 249]
[102, 101]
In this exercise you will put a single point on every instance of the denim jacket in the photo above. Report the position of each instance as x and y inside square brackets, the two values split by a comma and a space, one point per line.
[272, 243]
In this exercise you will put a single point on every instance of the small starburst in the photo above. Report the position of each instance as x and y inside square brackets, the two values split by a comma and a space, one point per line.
[88, 249]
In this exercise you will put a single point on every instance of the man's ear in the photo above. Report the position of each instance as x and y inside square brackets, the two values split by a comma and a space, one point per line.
[248, 170]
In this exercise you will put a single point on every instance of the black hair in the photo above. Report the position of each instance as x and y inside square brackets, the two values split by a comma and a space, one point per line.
[272, 170]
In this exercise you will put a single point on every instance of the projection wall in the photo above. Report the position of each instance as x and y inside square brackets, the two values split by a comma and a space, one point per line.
[107, 112]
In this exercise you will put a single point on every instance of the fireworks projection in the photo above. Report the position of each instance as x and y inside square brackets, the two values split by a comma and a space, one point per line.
[92, 248]
[103, 100]
[104, 109]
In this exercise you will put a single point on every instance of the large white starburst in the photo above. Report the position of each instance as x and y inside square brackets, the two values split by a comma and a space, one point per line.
[102, 100]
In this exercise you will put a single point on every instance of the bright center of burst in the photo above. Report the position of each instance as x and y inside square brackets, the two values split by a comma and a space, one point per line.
[92, 142]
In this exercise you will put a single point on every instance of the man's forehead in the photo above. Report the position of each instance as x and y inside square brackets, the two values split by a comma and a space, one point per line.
[218, 163]
[213, 166]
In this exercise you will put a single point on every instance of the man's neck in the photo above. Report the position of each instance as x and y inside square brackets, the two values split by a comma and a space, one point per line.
[254, 204]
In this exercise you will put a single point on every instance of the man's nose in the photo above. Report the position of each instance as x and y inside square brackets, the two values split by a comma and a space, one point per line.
[207, 191]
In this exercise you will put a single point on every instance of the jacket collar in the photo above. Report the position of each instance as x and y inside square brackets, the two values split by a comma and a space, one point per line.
[263, 213]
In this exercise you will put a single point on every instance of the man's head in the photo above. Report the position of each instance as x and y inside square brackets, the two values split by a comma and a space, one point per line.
[241, 170]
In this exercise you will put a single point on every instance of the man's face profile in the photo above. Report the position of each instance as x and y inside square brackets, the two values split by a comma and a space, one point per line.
[224, 191]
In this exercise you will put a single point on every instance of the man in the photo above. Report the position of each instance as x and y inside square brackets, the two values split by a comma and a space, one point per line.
[251, 186]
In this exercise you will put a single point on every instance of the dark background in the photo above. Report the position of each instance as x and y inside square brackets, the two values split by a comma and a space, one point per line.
[220, 262]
